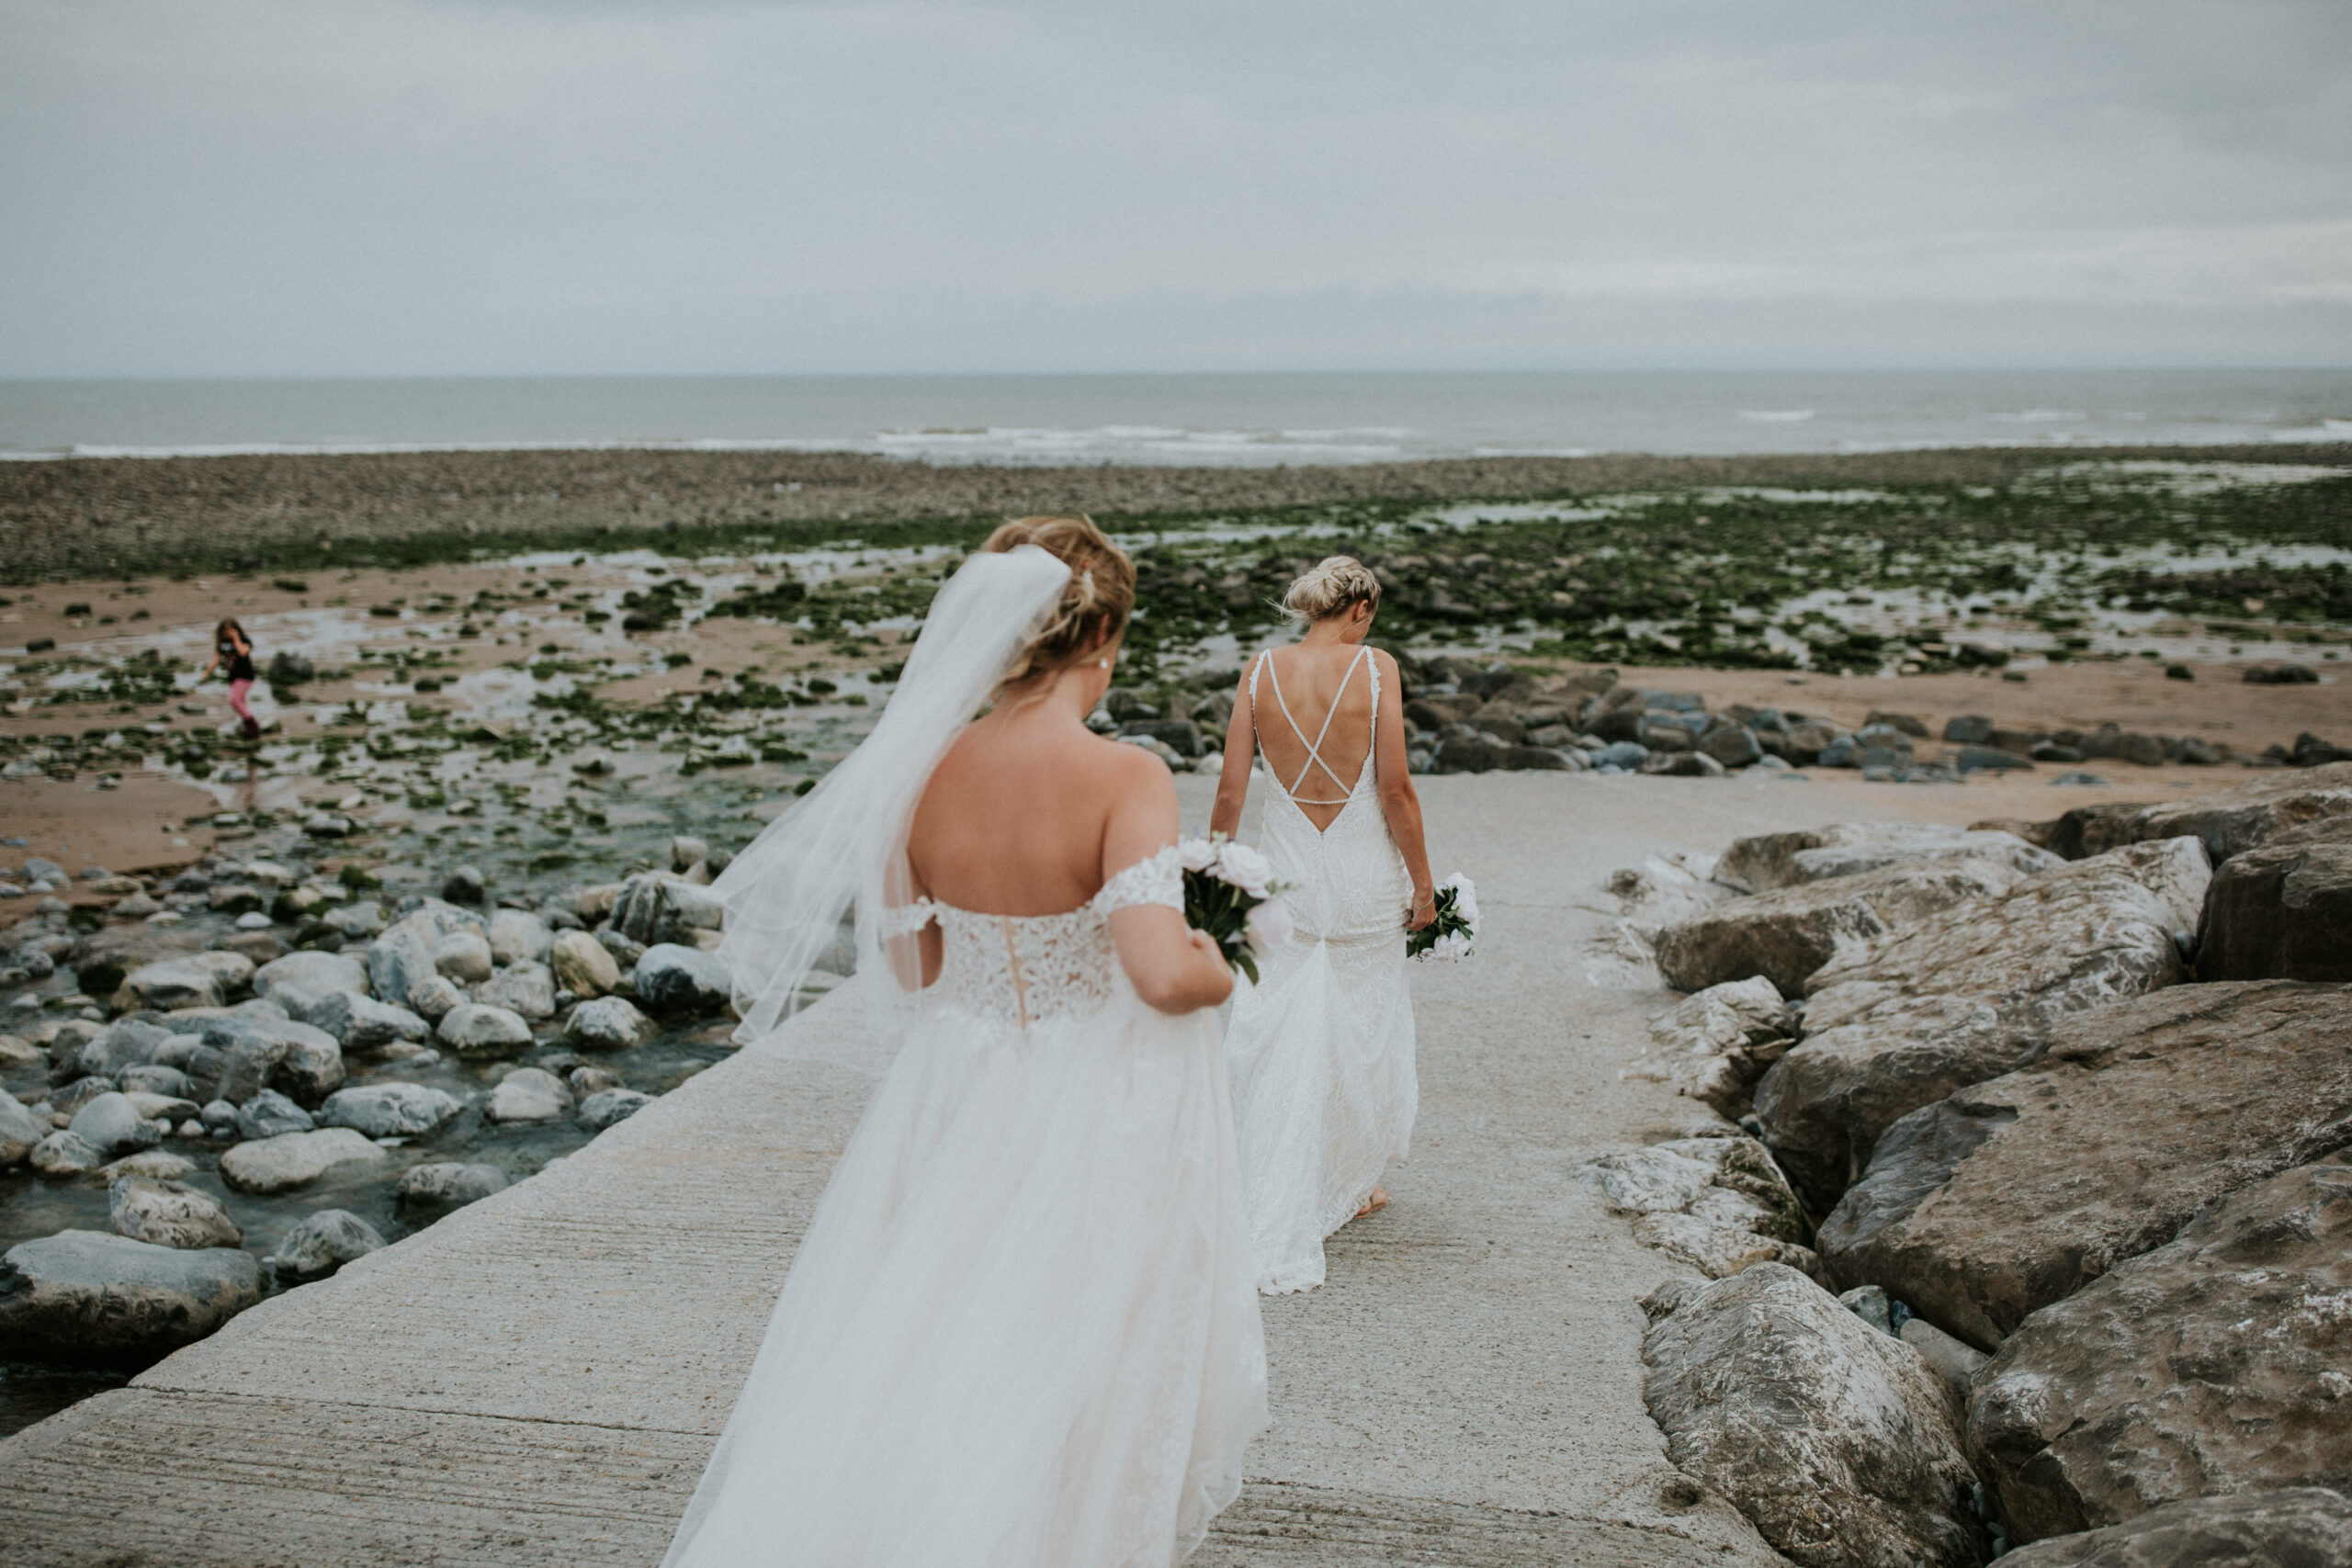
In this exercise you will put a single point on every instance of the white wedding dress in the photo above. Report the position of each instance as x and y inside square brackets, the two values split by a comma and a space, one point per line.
[1322, 1049]
[1020, 1331]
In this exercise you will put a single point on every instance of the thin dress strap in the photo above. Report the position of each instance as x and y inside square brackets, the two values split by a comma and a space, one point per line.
[1314, 746]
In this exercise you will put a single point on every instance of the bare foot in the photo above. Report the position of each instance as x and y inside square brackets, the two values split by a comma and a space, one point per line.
[1373, 1204]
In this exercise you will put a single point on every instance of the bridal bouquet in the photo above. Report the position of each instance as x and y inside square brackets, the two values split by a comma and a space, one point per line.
[1447, 939]
[1229, 892]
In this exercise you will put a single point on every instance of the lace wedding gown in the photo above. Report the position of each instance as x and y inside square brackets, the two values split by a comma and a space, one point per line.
[1020, 1331]
[1321, 1049]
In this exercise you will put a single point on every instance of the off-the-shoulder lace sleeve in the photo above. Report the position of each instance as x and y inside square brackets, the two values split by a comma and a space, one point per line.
[1160, 879]
[905, 920]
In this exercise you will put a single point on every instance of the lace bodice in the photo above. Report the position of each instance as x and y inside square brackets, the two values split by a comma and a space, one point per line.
[1025, 969]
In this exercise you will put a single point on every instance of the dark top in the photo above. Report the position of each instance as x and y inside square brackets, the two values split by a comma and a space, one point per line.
[239, 661]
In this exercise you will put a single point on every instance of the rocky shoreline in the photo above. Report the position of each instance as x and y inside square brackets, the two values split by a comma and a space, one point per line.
[2071, 1103]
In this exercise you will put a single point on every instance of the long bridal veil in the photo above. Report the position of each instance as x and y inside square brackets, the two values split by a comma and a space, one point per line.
[842, 846]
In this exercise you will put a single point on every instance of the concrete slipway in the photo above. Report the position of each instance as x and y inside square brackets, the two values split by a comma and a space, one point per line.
[537, 1378]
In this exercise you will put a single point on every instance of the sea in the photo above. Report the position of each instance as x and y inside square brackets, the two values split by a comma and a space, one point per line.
[1226, 420]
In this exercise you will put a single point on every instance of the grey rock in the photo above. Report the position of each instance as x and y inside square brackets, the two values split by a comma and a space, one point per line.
[300, 1061]
[608, 1023]
[1682, 765]
[112, 1124]
[687, 853]
[1985, 1207]
[465, 885]
[390, 1110]
[586, 1081]
[463, 956]
[606, 1107]
[1788, 933]
[1956, 1363]
[152, 1165]
[20, 1131]
[63, 1153]
[169, 1083]
[1470, 754]
[1960, 995]
[1767, 860]
[270, 1114]
[1733, 745]
[1985, 760]
[362, 1023]
[529, 1094]
[1835, 1441]
[438, 1189]
[625, 951]
[518, 936]
[1717, 1249]
[2295, 1527]
[2280, 911]
[127, 1043]
[525, 988]
[655, 909]
[673, 980]
[297, 1159]
[169, 1213]
[358, 920]
[218, 1114]
[323, 1242]
[432, 999]
[399, 962]
[581, 964]
[87, 1298]
[2229, 821]
[199, 980]
[79, 1093]
[1714, 1046]
[2213, 1364]
[1870, 1304]
[473, 1030]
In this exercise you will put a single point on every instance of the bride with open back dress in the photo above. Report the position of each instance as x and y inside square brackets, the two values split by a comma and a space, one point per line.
[1020, 1331]
[1321, 1048]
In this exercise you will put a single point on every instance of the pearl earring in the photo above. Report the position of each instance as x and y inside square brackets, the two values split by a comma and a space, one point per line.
[1102, 663]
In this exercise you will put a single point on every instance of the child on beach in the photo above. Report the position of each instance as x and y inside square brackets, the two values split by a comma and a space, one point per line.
[233, 648]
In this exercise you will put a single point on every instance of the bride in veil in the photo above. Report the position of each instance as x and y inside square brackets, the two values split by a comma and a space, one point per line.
[1020, 1332]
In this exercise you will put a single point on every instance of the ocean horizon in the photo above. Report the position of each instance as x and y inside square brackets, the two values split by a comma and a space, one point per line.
[1240, 420]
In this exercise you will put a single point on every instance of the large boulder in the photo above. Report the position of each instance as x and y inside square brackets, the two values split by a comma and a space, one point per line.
[1767, 860]
[2216, 1363]
[301, 1061]
[2229, 821]
[390, 1110]
[607, 1023]
[127, 1043]
[1788, 933]
[582, 965]
[1963, 995]
[675, 980]
[399, 962]
[1985, 1207]
[2296, 1527]
[310, 974]
[86, 1298]
[2282, 910]
[1718, 1204]
[1837, 1441]
[297, 1159]
[1714, 1046]
[169, 1213]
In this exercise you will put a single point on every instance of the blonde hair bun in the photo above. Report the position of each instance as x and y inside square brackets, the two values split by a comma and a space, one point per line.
[1100, 597]
[1329, 587]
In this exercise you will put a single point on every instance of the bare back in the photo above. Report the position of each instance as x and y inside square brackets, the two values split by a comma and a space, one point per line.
[1323, 698]
[1026, 816]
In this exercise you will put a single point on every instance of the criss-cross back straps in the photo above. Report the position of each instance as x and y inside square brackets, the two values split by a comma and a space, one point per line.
[1314, 746]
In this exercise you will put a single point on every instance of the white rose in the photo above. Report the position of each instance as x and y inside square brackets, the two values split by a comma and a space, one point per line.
[1196, 854]
[1268, 925]
[1466, 896]
[1244, 867]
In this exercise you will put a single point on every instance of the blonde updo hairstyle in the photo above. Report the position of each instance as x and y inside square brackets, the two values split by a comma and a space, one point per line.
[1094, 607]
[1330, 587]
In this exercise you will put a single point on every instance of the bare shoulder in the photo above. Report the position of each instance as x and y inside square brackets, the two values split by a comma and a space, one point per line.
[1386, 662]
[1131, 769]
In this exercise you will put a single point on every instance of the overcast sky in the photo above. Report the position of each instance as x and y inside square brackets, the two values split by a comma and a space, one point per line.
[395, 186]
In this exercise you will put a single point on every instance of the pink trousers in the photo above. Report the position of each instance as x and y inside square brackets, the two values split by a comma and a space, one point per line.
[237, 690]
